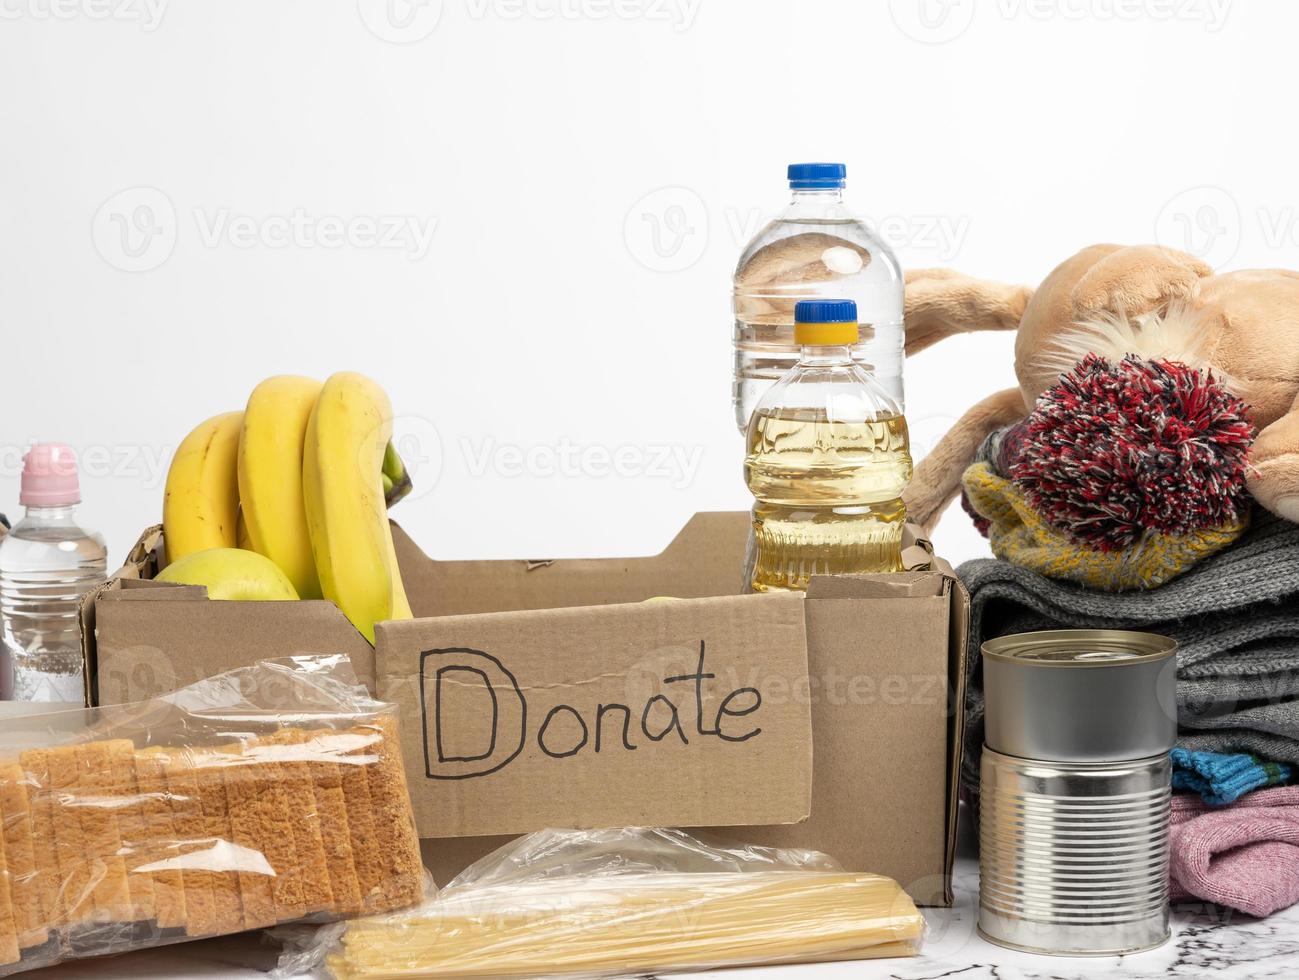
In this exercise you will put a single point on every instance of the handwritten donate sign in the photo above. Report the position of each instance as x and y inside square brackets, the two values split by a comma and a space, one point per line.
[610, 716]
[496, 716]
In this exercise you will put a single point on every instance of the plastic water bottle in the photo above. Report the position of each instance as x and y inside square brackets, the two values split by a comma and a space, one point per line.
[816, 249]
[828, 459]
[47, 563]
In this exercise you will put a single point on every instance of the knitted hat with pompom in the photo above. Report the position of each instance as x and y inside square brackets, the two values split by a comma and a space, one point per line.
[1115, 450]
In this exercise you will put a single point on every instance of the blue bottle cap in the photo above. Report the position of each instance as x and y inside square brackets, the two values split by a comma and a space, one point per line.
[825, 311]
[816, 176]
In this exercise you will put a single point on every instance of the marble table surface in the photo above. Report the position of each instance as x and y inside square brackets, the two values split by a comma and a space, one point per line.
[1206, 940]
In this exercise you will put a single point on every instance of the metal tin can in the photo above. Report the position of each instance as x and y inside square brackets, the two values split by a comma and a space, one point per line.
[1073, 858]
[1080, 695]
[1075, 791]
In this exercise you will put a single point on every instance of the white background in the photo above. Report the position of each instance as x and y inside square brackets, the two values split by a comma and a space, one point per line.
[153, 155]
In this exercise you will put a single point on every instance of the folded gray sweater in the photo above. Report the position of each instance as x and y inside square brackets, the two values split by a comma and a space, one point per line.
[1235, 616]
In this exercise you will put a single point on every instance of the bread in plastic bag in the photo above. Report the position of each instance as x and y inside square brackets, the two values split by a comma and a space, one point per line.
[603, 903]
[267, 794]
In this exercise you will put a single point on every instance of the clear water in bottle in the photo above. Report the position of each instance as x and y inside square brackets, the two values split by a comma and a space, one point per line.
[47, 563]
[815, 249]
[828, 458]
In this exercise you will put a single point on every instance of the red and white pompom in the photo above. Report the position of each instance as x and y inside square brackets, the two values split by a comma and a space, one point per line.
[1118, 449]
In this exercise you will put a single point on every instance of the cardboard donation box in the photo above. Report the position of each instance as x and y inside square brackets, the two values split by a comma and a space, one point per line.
[551, 694]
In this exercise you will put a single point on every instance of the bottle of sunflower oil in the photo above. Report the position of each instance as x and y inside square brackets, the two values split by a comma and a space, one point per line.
[828, 459]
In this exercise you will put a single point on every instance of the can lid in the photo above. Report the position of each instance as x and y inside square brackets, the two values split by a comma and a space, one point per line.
[1079, 648]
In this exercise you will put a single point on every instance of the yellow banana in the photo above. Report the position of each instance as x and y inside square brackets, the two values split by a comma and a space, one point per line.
[270, 476]
[201, 502]
[342, 490]
[241, 533]
[400, 604]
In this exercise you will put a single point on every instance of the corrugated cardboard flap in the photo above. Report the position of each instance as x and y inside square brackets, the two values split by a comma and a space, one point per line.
[703, 559]
[596, 716]
[141, 638]
[899, 585]
[886, 660]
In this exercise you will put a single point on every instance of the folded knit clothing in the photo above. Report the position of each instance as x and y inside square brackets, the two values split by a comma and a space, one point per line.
[1244, 856]
[1235, 616]
[1018, 533]
[1224, 778]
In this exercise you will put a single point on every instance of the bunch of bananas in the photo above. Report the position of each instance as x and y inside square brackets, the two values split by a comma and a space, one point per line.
[289, 499]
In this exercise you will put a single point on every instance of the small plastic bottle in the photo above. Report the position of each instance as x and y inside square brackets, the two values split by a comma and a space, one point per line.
[828, 459]
[815, 249]
[47, 563]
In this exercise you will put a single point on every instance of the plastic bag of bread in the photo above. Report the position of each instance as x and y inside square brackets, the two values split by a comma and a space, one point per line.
[604, 903]
[268, 794]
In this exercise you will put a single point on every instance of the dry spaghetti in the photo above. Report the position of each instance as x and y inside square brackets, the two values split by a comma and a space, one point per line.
[618, 914]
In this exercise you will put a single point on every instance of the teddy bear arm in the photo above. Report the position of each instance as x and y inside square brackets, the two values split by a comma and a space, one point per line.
[1274, 474]
[937, 479]
[940, 303]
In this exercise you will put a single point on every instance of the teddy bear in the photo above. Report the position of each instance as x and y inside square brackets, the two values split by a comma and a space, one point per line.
[1155, 395]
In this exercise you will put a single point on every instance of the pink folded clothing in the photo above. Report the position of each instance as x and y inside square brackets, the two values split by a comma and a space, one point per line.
[1244, 855]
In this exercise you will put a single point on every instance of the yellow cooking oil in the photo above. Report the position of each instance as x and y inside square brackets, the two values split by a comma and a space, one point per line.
[827, 495]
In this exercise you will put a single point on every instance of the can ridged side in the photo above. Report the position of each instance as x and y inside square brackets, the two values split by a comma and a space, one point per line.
[1074, 858]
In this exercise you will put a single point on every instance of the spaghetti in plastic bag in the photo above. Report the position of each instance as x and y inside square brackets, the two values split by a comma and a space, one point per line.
[603, 903]
[267, 794]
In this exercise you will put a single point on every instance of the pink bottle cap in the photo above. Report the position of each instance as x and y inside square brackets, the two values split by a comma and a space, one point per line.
[50, 476]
